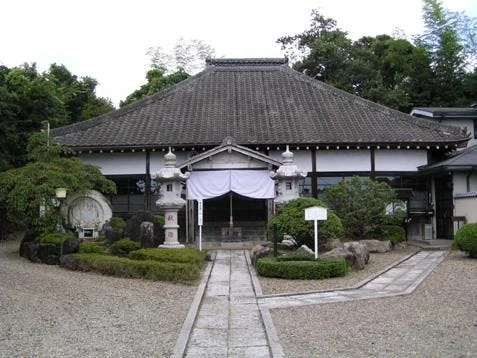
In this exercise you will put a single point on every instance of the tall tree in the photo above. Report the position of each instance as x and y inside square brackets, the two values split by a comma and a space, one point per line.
[157, 80]
[29, 99]
[24, 190]
[445, 43]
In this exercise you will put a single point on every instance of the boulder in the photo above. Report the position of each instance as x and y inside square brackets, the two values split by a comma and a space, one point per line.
[49, 253]
[288, 242]
[305, 250]
[146, 234]
[29, 250]
[259, 251]
[71, 245]
[111, 234]
[360, 251]
[377, 246]
[355, 254]
[333, 244]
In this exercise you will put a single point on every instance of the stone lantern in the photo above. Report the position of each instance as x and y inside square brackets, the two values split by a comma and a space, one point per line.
[170, 200]
[287, 178]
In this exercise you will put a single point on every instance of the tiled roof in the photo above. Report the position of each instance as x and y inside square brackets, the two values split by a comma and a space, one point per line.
[447, 112]
[462, 160]
[257, 102]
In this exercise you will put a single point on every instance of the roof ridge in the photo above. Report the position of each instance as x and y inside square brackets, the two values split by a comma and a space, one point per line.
[260, 61]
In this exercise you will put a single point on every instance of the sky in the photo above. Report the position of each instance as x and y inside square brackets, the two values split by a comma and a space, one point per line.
[108, 39]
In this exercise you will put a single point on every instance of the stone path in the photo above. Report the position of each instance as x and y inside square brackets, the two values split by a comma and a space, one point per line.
[229, 319]
[229, 323]
[401, 279]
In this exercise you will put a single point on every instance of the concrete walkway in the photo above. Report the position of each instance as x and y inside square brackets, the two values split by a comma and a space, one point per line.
[401, 279]
[229, 323]
[230, 317]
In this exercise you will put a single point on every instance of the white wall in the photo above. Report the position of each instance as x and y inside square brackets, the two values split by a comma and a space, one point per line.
[343, 160]
[117, 163]
[466, 207]
[399, 160]
[460, 183]
[302, 158]
[157, 159]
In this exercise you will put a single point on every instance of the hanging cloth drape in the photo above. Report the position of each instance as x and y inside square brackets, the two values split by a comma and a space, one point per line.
[255, 184]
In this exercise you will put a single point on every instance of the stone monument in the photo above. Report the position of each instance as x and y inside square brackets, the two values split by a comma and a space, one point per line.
[287, 178]
[170, 200]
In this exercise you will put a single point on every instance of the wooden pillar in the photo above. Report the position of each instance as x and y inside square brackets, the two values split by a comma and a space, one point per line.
[314, 175]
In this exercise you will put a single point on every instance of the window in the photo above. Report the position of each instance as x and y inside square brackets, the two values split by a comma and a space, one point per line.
[288, 185]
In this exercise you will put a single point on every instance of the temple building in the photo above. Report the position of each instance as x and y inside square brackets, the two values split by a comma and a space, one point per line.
[240, 119]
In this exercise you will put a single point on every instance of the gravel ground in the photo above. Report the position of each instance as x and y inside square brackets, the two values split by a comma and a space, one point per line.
[377, 262]
[47, 311]
[439, 319]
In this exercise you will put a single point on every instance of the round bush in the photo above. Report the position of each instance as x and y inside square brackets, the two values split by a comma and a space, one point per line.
[124, 246]
[290, 219]
[466, 239]
[393, 233]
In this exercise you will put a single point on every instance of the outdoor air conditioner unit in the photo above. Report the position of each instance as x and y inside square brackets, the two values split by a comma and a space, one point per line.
[427, 231]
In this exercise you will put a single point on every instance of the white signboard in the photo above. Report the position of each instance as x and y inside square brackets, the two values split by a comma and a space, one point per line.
[316, 213]
[200, 220]
[200, 212]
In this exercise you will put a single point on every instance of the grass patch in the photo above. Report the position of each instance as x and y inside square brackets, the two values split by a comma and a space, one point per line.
[303, 269]
[183, 255]
[126, 267]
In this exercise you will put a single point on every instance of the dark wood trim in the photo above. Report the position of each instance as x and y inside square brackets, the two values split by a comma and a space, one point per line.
[314, 178]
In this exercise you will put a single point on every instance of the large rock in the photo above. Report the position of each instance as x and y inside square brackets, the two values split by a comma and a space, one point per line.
[377, 246]
[70, 245]
[355, 254]
[259, 251]
[305, 250]
[288, 242]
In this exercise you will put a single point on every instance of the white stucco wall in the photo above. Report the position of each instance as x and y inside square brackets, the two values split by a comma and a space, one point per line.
[117, 163]
[343, 160]
[399, 160]
[157, 159]
[302, 158]
[460, 183]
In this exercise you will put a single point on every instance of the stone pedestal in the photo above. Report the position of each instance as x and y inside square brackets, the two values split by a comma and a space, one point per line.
[171, 227]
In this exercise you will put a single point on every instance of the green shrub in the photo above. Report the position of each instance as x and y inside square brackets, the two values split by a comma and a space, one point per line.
[124, 246]
[290, 219]
[361, 205]
[92, 247]
[302, 270]
[55, 238]
[117, 223]
[160, 219]
[393, 233]
[124, 267]
[466, 239]
[184, 255]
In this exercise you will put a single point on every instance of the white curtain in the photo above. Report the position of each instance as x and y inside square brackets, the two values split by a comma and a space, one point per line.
[255, 184]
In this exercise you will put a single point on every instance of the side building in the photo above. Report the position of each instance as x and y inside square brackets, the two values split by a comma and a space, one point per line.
[238, 116]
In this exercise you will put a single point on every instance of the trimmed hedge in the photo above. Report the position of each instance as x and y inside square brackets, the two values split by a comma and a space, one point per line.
[88, 247]
[466, 239]
[125, 267]
[183, 255]
[124, 246]
[304, 270]
[54, 238]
